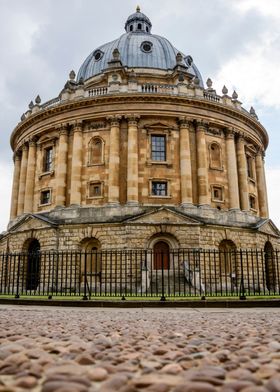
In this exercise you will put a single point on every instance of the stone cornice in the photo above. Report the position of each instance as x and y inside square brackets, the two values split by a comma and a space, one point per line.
[129, 98]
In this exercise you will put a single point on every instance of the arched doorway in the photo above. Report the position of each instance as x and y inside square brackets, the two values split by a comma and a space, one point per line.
[269, 266]
[33, 265]
[161, 255]
[227, 250]
[92, 256]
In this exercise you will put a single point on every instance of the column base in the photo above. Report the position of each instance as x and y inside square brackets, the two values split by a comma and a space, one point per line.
[113, 203]
[132, 203]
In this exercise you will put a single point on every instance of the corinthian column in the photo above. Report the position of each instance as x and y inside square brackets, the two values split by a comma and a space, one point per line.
[202, 167]
[15, 190]
[185, 162]
[77, 162]
[232, 170]
[132, 160]
[22, 180]
[61, 167]
[114, 161]
[261, 185]
[30, 177]
[242, 174]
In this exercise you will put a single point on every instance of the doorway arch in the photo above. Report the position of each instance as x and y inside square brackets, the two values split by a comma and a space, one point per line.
[92, 256]
[33, 265]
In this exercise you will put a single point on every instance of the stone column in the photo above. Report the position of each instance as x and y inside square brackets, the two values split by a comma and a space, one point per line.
[185, 163]
[76, 167]
[114, 161]
[242, 174]
[261, 185]
[61, 167]
[232, 170]
[202, 166]
[132, 160]
[30, 178]
[15, 190]
[22, 179]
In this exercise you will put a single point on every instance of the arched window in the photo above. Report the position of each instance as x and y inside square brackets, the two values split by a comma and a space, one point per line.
[131, 28]
[95, 151]
[139, 26]
[91, 262]
[215, 156]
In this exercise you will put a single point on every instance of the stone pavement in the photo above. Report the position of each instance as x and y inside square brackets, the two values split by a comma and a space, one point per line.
[127, 350]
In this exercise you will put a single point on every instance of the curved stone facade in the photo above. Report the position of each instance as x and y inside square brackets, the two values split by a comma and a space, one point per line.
[129, 154]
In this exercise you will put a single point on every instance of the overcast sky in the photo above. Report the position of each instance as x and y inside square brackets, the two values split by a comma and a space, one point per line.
[235, 42]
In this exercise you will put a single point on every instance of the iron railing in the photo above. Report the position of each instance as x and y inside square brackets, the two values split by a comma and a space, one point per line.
[141, 273]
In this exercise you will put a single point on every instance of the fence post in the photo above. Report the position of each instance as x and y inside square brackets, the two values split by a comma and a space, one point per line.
[18, 272]
[85, 297]
[242, 295]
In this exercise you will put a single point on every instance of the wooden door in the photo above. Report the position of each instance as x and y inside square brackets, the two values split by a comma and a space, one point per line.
[161, 255]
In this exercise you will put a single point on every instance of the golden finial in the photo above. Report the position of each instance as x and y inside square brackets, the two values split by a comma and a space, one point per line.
[137, 8]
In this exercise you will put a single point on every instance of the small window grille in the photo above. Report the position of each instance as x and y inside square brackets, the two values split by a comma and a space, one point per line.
[159, 188]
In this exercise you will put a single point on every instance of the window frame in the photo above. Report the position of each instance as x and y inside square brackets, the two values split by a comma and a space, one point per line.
[160, 180]
[50, 197]
[218, 187]
[255, 208]
[94, 183]
[211, 165]
[158, 131]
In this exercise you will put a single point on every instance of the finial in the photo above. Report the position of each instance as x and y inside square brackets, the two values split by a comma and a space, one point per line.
[179, 58]
[38, 100]
[253, 113]
[209, 83]
[234, 95]
[224, 90]
[31, 105]
[137, 8]
[72, 75]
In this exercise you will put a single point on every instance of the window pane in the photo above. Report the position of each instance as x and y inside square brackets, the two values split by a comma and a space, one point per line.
[45, 197]
[159, 188]
[158, 148]
[48, 158]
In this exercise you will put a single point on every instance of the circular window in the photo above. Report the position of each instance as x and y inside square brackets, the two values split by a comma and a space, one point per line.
[146, 46]
[97, 55]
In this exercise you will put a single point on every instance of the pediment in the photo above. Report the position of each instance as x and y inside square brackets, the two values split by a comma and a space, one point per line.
[268, 227]
[158, 126]
[164, 216]
[31, 222]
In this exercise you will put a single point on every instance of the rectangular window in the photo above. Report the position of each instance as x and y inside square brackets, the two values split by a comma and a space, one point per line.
[45, 197]
[95, 189]
[252, 202]
[48, 159]
[249, 166]
[217, 193]
[159, 188]
[158, 148]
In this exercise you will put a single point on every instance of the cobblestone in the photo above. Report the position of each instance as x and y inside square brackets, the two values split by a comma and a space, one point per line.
[129, 350]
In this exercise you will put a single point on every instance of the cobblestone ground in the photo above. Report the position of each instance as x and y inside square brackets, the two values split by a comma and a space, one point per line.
[128, 350]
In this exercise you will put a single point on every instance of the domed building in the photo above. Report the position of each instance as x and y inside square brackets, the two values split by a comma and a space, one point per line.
[136, 152]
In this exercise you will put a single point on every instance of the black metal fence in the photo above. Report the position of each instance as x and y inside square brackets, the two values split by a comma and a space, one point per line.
[141, 273]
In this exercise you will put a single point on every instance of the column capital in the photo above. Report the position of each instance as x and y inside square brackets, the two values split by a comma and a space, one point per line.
[17, 155]
[77, 126]
[24, 146]
[62, 129]
[202, 124]
[114, 120]
[229, 132]
[184, 122]
[260, 152]
[241, 137]
[32, 142]
[132, 119]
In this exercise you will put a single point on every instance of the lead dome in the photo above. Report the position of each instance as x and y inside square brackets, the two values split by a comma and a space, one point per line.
[138, 48]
